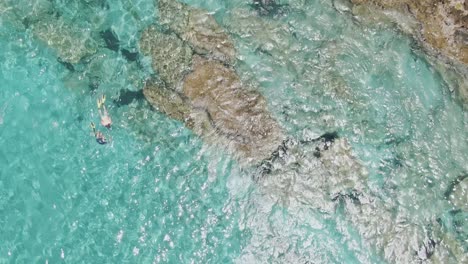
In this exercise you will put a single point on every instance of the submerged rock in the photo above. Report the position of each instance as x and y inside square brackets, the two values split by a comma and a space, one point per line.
[336, 183]
[323, 174]
[439, 25]
[216, 106]
[72, 43]
[198, 28]
[297, 176]
[167, 10]
[440, 20]
[205, 94]
[171, 57]
[457, 193]
[269, 36]
[167, 100]
[25, 12]
[238, 115]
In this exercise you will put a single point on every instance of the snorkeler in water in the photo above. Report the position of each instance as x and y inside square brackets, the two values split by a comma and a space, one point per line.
[105, 118]
[98, 135]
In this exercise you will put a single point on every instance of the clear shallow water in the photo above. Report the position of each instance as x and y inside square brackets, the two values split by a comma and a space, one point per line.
[158, 193]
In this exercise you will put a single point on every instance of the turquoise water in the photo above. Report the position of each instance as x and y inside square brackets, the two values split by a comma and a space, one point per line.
[158, 193]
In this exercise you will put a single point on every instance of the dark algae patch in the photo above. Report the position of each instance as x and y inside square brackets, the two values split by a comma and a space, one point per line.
[111, 40]
[126, 97]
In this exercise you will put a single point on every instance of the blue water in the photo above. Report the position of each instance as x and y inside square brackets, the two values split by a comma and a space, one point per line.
[158, 193]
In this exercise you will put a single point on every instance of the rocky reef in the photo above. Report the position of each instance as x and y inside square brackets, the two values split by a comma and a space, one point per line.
[171, 57]
[237, 113]
[198, 28]
[444, 23]
[71, 41]
[440, 26]
[198, 85]
[322, 173]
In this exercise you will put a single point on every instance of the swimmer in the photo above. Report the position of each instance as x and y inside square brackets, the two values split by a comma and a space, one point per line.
[105, 118]
[98, 135]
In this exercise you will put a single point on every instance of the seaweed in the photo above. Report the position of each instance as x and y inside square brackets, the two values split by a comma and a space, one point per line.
[317, 153]
[268, 7]
[67, 65]
[353, 195]
[453, 184]
[126, 97]
[261, 50]
[94, 83]
[130, 56]
[266, 165]
[111, 40]
[329, 137]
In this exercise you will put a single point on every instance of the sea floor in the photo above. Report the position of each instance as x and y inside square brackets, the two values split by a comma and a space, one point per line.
[157, 193]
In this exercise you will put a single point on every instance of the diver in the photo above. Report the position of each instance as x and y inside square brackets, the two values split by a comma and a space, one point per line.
[98, 135]
[105, 118]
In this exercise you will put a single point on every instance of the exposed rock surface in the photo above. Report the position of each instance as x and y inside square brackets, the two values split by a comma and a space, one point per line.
[443, 26]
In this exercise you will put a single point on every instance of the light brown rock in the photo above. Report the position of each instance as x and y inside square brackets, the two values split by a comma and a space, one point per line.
[166, 100]
[171, 57]
[203, 92]
[216, 106]
[238, 115]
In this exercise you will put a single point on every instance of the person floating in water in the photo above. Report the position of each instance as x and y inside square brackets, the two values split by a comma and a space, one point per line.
[98, 135]
[105, 118]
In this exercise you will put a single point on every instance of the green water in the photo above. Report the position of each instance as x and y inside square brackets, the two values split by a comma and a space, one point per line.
[158, 193]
